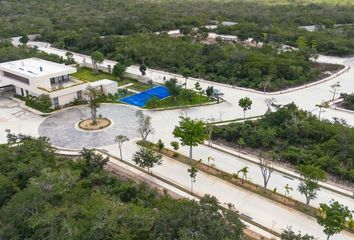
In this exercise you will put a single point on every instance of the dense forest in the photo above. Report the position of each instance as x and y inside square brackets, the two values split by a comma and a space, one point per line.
[123, 31]
[107, 17]
[227, 63]
[44, 196]
[297, 137]
[328, 39]
[277, 20]
[10, 53]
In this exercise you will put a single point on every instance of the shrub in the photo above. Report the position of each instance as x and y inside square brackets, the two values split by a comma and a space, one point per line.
[153, 102]
[175, 145]
[160, 144]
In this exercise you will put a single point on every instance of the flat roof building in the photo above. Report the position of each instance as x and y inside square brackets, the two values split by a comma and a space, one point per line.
[34, 76]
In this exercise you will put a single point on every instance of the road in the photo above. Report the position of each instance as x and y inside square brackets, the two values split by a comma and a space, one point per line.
[261, 210]
[306, 98]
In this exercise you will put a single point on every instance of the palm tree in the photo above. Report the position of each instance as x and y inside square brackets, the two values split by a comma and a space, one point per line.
[245, 103]
[244, 172]
[288, 189]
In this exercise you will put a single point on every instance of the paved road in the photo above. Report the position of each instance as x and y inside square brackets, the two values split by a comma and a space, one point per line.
[63, 131]
[268, 213]
[19, 120]
[306, 98]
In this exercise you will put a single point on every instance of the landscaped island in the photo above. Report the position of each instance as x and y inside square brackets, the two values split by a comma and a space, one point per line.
[348, 101]
[89, 125]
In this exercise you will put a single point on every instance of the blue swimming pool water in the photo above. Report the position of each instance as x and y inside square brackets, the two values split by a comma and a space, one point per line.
[141, 99]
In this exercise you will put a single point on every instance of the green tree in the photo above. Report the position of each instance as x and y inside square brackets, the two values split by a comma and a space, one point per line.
[92, 162]
[198, 87]
[288, 189]
[245, 103]
[93, 96]
[193, 175]
[301, 42]
[7, 189]
[333, 218]
[44, 102]
[191, 133]
[205, 217]
[160, 145]
[119, 70]
[199, 67]
[185, 30]
[69, 57]
[147, 158]
[120, 139]
[142, 69]
[175, 145]
[209, 92]
[24, 40]
[289, 234]
[309, 184]
[97, 58]
[173, 88]
[244, 172]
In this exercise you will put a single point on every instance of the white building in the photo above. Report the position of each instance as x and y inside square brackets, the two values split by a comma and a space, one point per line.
[34, 76]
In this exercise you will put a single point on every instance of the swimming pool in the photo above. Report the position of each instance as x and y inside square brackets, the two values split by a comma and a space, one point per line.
[142, 98]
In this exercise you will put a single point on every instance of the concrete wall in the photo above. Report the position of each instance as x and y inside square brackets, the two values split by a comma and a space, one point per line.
[18, 92]
[110, 88]
[66, 99]
[140, 78]
[101, 68]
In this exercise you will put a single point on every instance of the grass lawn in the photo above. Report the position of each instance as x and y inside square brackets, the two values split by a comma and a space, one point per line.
[137, 86]
[181, 101]
[87, 75]
[141, 86]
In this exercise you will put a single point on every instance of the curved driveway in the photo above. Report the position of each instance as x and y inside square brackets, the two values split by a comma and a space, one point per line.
[62, 130]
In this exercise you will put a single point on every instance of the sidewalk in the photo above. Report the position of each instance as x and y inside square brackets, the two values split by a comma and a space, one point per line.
[281, 169]
[180, 191]
[252, 206]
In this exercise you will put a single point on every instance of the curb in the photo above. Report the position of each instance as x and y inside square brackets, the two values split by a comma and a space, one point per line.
[340, 72]
[244, 218]
[183, 107]
[278, 170]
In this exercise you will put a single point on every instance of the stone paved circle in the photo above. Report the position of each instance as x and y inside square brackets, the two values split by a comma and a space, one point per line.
[61, 130]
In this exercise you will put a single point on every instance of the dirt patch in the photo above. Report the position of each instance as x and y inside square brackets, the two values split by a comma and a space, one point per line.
[89, 125]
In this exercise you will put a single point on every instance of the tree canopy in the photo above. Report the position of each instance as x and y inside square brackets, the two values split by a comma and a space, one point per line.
[298, 137]
[44, 196]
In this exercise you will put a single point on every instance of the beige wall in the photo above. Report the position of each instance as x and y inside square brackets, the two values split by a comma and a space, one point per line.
[66, 99]
[110, 88]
